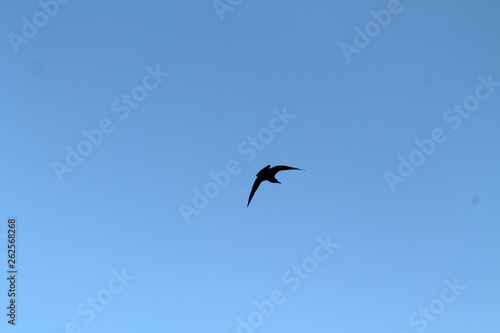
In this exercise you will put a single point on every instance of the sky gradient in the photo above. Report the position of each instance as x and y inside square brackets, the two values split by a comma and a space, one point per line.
[132, 132]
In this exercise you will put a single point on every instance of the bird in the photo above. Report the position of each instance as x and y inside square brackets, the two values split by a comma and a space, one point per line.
[268, 174]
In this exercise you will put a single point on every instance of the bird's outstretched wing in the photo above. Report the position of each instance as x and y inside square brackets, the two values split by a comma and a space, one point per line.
[279, 168]
[254, 188]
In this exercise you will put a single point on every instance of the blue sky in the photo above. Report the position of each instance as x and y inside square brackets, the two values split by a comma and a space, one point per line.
[117, 116]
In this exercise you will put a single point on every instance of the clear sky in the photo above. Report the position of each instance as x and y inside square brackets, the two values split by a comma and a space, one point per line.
[132, 131]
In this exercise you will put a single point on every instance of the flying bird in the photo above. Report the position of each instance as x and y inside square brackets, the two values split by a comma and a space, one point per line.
[268, 174]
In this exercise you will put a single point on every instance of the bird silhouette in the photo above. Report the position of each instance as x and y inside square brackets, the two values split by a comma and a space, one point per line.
[268, 174]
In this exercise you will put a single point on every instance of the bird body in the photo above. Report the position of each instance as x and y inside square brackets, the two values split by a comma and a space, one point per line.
[268, 174]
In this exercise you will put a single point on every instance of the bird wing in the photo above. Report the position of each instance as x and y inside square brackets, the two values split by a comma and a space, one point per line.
[279, 168]
[254, 188]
